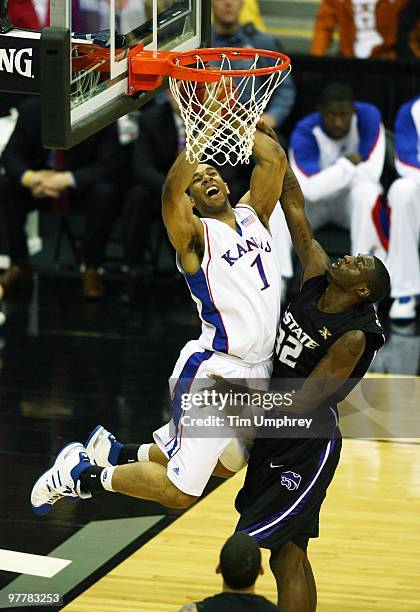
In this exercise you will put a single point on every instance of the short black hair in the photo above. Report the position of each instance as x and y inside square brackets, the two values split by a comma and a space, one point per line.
[379, 282]
[240, 561]
[336, 92]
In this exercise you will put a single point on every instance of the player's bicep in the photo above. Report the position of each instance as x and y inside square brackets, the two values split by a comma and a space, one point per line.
[344, 354]
[266, 186]
[312, 256]
[268, 174]
[180, 222]
[333, 369]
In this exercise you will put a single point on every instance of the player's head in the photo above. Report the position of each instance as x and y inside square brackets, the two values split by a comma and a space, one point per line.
[363, 276]
[240, 562]
[208, 191]
[226, 12]
[336, 105]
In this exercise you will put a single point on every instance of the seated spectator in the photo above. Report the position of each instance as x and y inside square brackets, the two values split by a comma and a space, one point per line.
[240, 566]
[251, 13]
[366, 28]
[404, 200]
[86, 176]
[408, 36]
[161, 137]
[226, 32]
[338, 156]
[7, 125]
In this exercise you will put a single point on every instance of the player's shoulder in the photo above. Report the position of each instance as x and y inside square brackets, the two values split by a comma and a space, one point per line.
[407, 112]
[246, 214]
[243, 205]
[302, 137]
[367, 112]
[308, 293]
[370, 318]
[354, 340]
[313, 284]
[308, 123]
[365, 320]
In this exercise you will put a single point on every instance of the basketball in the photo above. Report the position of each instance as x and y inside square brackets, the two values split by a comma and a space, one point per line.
[198, 96]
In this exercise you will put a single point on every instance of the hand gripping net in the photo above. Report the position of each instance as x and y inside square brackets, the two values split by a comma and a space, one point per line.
[220, 117]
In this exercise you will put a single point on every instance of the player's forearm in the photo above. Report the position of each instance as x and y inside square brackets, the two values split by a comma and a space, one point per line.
[291, 196]
[267, 150]
[267, 177]
[179, 177]
[334, 369]
[313, 393]
[293, 205]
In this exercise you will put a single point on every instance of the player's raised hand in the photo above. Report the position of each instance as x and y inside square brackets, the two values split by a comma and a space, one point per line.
[221, 385]
[269, 131]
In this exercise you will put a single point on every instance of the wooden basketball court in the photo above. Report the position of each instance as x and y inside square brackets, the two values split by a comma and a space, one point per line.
[367, 556]
[67, 365]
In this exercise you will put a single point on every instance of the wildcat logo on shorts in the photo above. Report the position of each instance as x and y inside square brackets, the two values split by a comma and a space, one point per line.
[291, 480]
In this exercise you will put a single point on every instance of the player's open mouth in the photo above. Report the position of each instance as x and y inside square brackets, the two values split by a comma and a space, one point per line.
[212, 192]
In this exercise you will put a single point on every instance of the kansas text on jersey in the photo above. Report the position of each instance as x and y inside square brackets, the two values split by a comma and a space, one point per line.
[237, 288]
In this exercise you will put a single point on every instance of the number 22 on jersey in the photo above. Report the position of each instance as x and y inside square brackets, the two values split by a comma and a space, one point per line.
[288, 348]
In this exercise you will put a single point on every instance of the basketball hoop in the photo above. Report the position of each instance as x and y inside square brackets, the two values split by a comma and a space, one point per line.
[220, 105]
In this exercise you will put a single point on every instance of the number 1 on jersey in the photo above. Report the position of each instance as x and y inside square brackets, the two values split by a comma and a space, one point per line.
[258, 261]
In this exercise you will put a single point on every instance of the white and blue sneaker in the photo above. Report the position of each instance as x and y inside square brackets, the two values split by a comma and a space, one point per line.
[62, 479]
[403, 309]
[102, 447]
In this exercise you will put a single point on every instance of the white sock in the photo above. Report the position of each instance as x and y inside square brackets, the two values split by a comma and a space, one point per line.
[106, 478]
[143, 452]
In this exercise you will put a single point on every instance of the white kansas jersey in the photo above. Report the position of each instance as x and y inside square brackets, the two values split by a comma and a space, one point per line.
[237, 288]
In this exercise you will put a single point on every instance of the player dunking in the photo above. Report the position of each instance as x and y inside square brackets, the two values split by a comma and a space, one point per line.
[328, 335]
[229, 262]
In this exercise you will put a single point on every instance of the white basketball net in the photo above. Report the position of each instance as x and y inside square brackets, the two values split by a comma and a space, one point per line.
[84, 82]
[231, 112]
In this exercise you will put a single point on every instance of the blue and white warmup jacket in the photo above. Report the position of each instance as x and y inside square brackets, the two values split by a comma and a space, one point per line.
[319, 161]
[407, 140]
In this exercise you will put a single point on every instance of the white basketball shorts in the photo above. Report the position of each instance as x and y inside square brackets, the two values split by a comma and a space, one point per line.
[193, 451]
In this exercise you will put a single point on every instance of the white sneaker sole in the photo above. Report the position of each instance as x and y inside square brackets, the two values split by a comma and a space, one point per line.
[46, 507]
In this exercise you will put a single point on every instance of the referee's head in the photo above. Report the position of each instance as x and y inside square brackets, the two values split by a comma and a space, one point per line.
[240, 562]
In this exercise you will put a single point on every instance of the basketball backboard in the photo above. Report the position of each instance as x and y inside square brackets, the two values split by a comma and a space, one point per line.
[82, 59]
